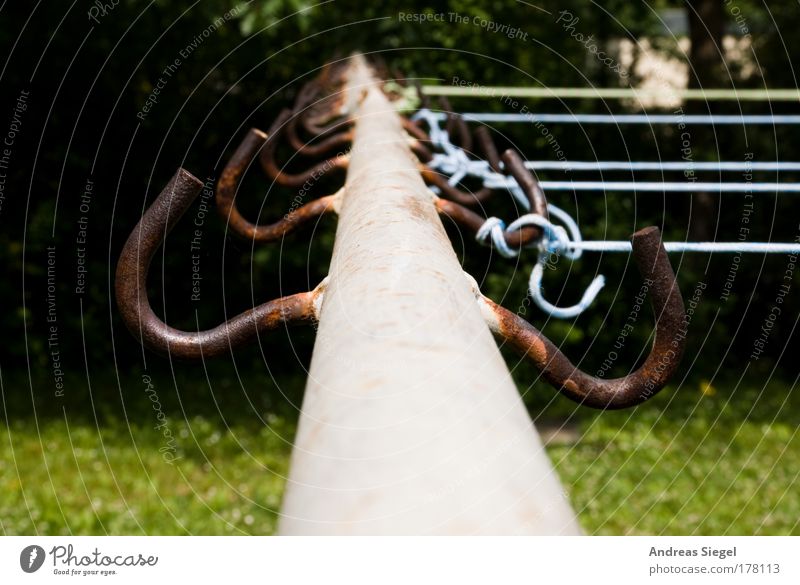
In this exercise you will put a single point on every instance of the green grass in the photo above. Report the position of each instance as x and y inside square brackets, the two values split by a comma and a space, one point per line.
[688, 462]
[80, 480]
[703, 461]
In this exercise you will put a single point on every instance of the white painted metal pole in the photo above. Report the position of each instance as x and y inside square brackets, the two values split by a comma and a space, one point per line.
[411, 423]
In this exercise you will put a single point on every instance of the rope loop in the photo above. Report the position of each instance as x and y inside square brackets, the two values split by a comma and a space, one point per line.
[556, 239]
[492, 232]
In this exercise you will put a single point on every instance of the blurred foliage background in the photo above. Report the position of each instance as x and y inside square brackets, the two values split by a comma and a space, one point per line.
[88, 79]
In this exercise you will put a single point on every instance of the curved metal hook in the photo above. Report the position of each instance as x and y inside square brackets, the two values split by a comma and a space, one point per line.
[304, 103]
[307, 93]
[472, 221]
[325, 109]
[399, 76]
[415, 131]
[272, 169]
[318, 128]
[467, 218]
[659, 366]
[433, 177]
[424, 100]
[131, 287]
[489, 149]
[228, 185]
[418, 140]
[315, 111]
[326, 114]
[303, 147]
[455, 122]
[537, 202]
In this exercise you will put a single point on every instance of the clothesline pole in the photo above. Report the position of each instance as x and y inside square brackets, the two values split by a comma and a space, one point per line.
[411, 423]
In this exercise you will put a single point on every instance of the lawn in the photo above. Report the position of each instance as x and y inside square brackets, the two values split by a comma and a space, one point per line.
[702, 460]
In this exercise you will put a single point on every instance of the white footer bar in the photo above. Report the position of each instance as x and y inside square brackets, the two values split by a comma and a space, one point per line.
[400, 560]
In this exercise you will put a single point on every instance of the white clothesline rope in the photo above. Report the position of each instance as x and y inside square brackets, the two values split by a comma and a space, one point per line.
[457, 165]
[704, 247]
[688, 165]
[566, 239]
[670, 187]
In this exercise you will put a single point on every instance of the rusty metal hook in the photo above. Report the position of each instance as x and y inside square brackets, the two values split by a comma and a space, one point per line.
[538, 204]
[325, 115]
[513, 164]
[473, 222]
[144, 324]
[419, 139]
[424, 100]
[345, 136]
[274, 171]
[320, 115]
[303, 110]
[489, 149]
[228, 185]
[308, 92]
[326, 108]
[659, 366]
[287, 123]
[323, 125]
[400, 77]
[415, 131]
[433, 177]
[340, 139]
[456, 122]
